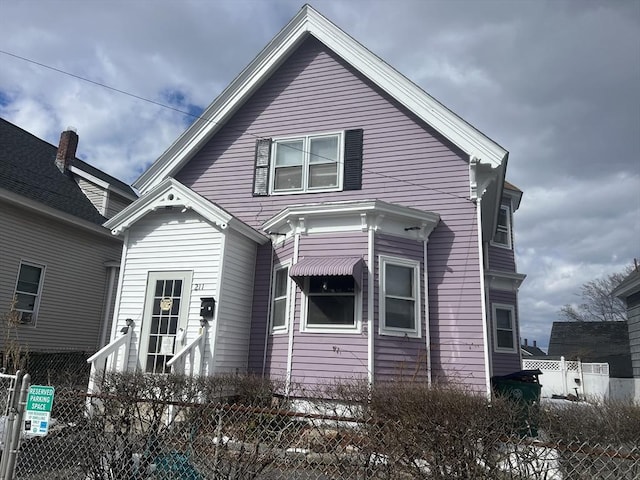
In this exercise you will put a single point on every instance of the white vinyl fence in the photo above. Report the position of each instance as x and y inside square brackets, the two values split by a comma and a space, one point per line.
[568, 377]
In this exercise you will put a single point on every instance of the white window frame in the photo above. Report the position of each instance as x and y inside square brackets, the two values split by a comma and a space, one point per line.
[38, 295]
[284, 328]
[383, 329]
[306, 139]
[504, 229]
[512, 312]
[356, 327]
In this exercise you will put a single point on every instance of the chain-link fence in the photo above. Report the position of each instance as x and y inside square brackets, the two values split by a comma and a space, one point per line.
[172, 427]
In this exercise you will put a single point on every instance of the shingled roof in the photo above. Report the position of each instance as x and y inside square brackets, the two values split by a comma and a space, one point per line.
[27, 168]
[606, 342]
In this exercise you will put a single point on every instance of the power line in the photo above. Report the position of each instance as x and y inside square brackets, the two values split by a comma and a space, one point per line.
[199, 117]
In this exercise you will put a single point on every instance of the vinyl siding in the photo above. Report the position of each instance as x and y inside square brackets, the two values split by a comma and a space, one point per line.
[94, 193]
[319, 358]
[504, 363]
[276, 344]
[115, 204]
[633, 315]
[234, 315]
[73, 302]
[405, 162]
[399, 357]
[164, 241]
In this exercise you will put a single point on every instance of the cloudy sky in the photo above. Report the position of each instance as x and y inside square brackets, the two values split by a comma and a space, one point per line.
[556, 83]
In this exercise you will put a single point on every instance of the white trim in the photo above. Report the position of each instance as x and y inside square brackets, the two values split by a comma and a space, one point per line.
[292, 319]
[306, 151]
[427, 329]
[38, 294]
[185, 302]
[383, 329]
[370, 304]
[213, 330]
[353, 216]
[310, 22]
[116, 307]
[172, 194]
[284, 329]
[504, 281]
[488, 366]
[43, 209]
[514, 330]
[101, 183]
[509, 229]
[111, 280]
[355, 328]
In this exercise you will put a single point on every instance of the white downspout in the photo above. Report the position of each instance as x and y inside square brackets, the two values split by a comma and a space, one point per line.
[107, 311]
[485, 319]
[370, 304]
[427, 330]
[292, 317]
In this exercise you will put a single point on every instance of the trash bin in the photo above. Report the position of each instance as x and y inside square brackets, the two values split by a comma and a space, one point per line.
[523, 388]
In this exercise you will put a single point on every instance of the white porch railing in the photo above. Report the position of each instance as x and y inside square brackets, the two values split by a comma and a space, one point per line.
[109, 354]
[196, 363]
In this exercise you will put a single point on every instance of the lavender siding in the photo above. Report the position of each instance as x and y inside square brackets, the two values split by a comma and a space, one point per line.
[314, 91]
[504, 363]
[276, 344]
[318, 358]
[396, 357]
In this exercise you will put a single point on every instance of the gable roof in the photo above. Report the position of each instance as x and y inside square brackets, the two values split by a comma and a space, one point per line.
[530, 350]
[594, 342]
[171, 193]
[309, 22]
[28, 170]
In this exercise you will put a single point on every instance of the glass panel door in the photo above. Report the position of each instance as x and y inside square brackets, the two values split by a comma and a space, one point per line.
[166, 311]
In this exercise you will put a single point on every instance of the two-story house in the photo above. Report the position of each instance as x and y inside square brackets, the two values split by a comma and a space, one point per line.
[58, 264]
[344, 222]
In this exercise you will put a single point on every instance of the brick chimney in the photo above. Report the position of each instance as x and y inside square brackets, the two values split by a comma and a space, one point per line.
[66, 149]
[525, 343]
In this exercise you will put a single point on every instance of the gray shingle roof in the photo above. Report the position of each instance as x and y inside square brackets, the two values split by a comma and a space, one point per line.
[27, 168]
[594, 342]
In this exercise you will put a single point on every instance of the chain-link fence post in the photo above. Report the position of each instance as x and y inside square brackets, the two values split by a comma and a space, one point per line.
[13, 427]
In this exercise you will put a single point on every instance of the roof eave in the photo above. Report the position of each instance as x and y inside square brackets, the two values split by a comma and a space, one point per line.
[46, 210]
[309, 21]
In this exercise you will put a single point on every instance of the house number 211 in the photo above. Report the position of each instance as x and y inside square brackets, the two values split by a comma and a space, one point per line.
[198, 286]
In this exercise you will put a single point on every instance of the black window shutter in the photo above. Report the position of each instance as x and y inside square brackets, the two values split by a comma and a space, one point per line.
[261, 172]
[353, 159]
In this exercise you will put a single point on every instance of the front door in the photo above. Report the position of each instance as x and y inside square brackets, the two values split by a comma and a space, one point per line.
[165, 313]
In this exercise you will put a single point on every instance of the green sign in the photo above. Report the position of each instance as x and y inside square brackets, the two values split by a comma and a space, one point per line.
[39, 403]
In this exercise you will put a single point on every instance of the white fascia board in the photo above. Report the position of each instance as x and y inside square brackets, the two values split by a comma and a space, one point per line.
[351, 215]
[101, 183]
[309, 21]
[505, 281]
[171, 193]
[628, 287]
[38, 207]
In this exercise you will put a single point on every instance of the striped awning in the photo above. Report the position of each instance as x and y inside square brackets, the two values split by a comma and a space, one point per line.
[328, 266]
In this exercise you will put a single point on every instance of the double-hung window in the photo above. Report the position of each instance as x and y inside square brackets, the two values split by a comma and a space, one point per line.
[331, 302]
[280, 299]
[503, 230]
[309, 163]
[504, 328]
[399, 297]
[28, 291]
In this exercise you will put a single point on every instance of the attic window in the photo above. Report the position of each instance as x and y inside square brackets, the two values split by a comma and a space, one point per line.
[311, 163]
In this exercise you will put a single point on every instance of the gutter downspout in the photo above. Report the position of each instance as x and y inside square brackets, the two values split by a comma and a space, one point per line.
[292, 320]
[485, 319]
[370, 304]
[268, 327]
[107, 311]
[427, 329]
